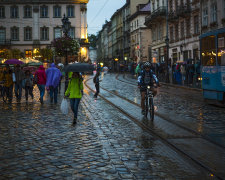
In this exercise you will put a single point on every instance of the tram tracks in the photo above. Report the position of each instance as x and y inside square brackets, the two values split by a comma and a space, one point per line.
[166, 117]
[211, 171]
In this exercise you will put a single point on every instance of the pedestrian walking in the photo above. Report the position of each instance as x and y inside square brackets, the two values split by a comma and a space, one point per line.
[28, 83]
[96, 81]
[53, 75]
[8, 83]
[19, 74]
[75, 92]
[40, 80]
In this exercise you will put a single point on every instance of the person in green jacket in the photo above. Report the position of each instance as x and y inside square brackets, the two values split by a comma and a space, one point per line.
[74, 92]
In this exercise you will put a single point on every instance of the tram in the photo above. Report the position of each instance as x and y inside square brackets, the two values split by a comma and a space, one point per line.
[212, 54]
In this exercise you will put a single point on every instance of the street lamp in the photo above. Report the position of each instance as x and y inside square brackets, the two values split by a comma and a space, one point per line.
[167, 43]
[66, 27]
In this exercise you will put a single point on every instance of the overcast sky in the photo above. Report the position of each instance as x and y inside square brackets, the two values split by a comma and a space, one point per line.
[100, 10]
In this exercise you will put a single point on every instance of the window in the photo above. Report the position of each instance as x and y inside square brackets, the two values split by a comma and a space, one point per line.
[171, 34]
[44, 33]
[182, 29]
[14, 12]
[27, 12]
[221, 49]
[14, 33]
[188, 27]
[57, 32]
[70, 11]
[196, 25]
[157, 4]
[2, 35]
[208, 50]
[2, 12]
[213, 12]
[28, 53]
[205, 16]
[176, 32]
[27, 33]
[223, 8]
[44, 11]
[57, 12]
[71, 32]
[170, 5]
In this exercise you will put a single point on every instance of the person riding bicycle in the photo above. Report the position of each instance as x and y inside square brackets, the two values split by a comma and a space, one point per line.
[146, 78]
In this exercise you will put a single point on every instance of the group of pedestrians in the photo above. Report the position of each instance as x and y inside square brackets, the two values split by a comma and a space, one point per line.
[18, 79]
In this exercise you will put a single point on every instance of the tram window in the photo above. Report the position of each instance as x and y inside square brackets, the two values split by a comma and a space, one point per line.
[221, 49]
[208, 53]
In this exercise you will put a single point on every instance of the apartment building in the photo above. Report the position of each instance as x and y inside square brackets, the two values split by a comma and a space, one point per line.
[156, 21]
[140, 34]
[184, 30]
[31, 25]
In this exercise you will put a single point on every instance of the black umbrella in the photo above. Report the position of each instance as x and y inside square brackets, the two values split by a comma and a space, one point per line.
[79, 67]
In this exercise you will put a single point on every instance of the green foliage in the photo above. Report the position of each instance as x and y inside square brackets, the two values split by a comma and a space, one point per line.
[46, 54]
[92, 39]
[11, 54]
[66, 46]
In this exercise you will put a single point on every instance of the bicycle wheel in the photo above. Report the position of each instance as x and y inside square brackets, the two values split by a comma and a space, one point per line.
[146, 107]
[151, 108]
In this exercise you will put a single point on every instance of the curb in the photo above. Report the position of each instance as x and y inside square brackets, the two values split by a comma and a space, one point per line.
[182, 87]
[177, 86]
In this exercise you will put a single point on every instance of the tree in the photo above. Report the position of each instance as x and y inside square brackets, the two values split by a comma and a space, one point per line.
[46, 54]
[92, 39]
[66, 46]
[10, 54]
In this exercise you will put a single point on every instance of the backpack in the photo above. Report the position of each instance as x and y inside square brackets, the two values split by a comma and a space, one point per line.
[35, 80]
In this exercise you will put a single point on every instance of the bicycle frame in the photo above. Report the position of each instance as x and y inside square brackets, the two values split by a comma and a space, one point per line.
[149, 106]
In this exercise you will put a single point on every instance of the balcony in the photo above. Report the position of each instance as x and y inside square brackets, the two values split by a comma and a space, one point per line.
[184, 10]
[158, 14]
[172, 16]
[5, 42]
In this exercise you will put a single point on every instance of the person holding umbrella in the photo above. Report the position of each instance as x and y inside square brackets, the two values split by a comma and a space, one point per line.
[74, 92]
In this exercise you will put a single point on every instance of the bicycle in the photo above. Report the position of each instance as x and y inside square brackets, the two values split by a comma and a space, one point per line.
[149, 104]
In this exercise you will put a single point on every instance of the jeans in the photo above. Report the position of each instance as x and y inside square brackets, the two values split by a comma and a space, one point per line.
[74, 103]
[29, 89]
[18, 87]
[41, 88]
[97, 90]
[53, 93]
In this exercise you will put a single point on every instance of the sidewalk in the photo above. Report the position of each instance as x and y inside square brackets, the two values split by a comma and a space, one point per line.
[170, 84]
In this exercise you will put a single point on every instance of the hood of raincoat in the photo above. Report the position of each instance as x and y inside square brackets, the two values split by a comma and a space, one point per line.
[53, 76]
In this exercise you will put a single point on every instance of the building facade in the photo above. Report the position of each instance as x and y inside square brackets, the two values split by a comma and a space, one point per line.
[184, 30]
[156, 21]
[31, 25]
[140, 34]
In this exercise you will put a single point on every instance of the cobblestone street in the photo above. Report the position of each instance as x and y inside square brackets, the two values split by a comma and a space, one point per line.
[38, 142]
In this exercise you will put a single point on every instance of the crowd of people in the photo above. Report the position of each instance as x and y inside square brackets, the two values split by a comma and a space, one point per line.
[17, 79]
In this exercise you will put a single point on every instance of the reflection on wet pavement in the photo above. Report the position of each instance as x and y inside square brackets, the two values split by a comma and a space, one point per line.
[195, 114]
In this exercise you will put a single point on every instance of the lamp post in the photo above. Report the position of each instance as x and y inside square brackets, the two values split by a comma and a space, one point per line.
[167, 43]
[66, 27]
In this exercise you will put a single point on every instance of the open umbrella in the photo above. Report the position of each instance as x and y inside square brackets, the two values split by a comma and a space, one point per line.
[79, 67]
[13, 61]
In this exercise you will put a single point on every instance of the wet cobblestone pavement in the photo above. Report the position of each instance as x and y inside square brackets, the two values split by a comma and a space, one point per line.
[38, 142]
[183, 106]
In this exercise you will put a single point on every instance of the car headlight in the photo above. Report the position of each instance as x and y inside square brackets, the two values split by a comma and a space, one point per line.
[148, 87]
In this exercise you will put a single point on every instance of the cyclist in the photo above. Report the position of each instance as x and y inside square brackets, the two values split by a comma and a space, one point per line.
[146, 78]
